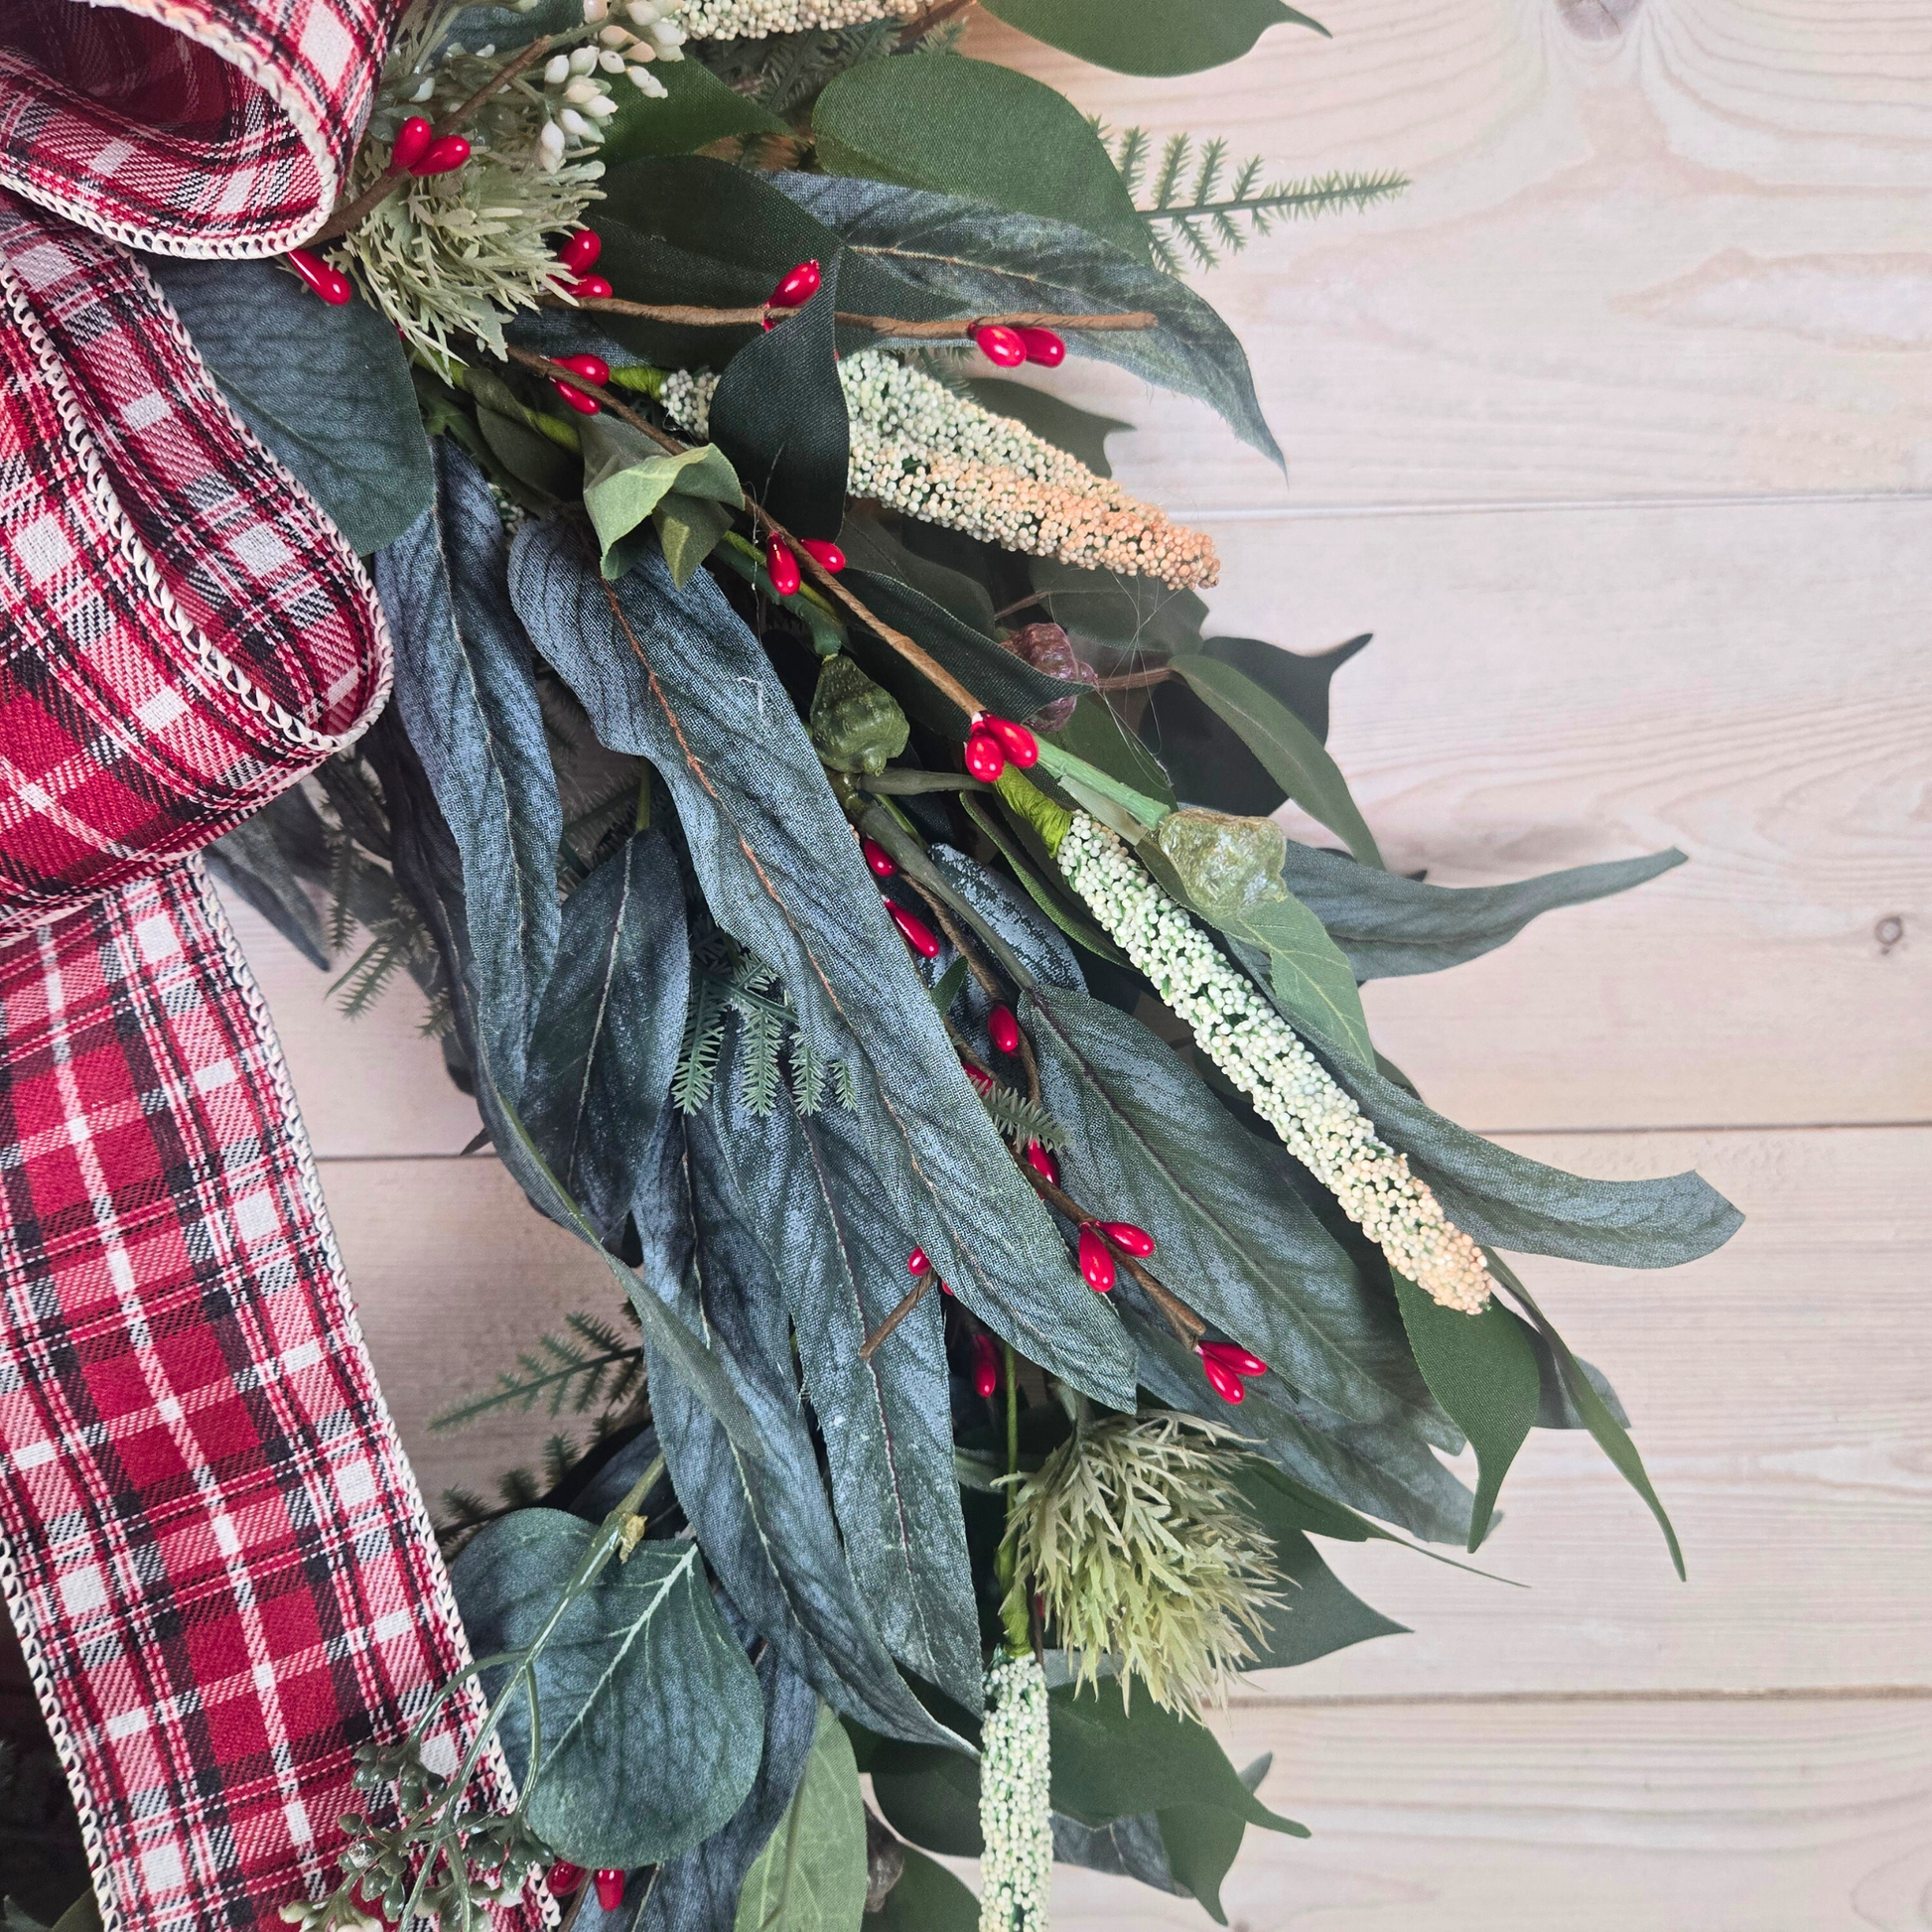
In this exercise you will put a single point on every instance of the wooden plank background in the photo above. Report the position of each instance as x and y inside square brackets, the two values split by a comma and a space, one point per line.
[1617, 431]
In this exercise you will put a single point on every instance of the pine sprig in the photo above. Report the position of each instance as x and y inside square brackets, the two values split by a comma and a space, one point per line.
[729, 981]
[1196, 210]
[1021, 1119]
[593, 1362]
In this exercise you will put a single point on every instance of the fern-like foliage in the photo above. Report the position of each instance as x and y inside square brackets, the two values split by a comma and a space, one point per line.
[1196, 207]
[592, 1362]
[729, 982]
[1021, 1119]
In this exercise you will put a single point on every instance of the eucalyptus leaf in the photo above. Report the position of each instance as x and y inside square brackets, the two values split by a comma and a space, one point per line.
[466, 690]
[698, 1890]
[765, 1523]
[1295, 757]
[811, 1874]
[641, 1691]
[779, 413]
[607, 1035]
[1483, 1371]
[973, 129]
[278, 354]
[628, 481]
[976, 259]
[802, 1185]
[1154, 37]
[1389, 925]
[675, 676]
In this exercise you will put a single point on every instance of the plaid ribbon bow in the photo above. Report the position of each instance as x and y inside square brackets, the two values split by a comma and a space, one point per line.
[211, 1544]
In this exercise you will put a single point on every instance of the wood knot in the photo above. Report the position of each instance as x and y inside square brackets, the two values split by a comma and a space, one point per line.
[1597, 20]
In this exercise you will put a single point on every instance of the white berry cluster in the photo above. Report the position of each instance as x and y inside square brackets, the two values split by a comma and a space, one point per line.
[1016, 1767]
[740, 20]
[1319, 1124]
[929, 453]
[575, 83]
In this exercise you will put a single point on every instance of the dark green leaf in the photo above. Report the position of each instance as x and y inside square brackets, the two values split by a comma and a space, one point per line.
[1201, 1843]
[698, 109]
[1110, 1762]
[1079, 432]
[930, 1796]
[1295, 758]
[976, 259]
[676, 677]
[327, 389]
[628, 481]
[1235, 1242]
[870, 547]
[983, 132]
[1611, 1435]
[697, 1891]
[801, 1185]
[766, 1524]
[927, 1898]
[1209, 762]
[265, 862]
[1389, 925]
[779, 415]
[811, 1874]
[1482, 1370]
[1318, 1615]
[465, 689]
[545, 472]
[640, 1690]
[607, 1035]
[1159, 36]
[1127, 1847]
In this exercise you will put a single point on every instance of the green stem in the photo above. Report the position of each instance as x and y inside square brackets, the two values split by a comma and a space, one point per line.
[1064, 766]
[1014, 1609]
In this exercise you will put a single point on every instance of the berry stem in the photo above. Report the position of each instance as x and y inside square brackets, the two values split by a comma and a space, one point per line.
[686, 315]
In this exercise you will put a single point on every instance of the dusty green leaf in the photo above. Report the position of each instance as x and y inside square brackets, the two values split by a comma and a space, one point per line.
[628, 479]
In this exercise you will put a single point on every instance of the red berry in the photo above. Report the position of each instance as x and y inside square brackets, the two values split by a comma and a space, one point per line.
[984, 759]
[795, 287]
[1016, 741]
[443, 156]
[1042, 346]
[917, 1261]
[1231, 1355]
[563, 1878]
[581, 250]
[827, 555]
[982, 1081]
[781, 567]
[878, 857]
[1096, 1261]
[986, 1365]
[1129, 1239]
[944, 1289]
[1000, 344]
[412, 143]
[915, 932]
[589, 288]
[610, 1888]
[576, 399]
[593, 368]
[1003, 1030]
[328, 283]
[1040, 1160]
[1223, 1381]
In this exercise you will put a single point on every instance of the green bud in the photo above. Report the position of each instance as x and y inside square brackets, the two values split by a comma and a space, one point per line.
[1228, 864]
[856, 725]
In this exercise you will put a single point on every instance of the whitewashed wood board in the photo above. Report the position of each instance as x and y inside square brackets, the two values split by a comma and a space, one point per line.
[1786, 1426]
[1761, 1815]
[1692, 258]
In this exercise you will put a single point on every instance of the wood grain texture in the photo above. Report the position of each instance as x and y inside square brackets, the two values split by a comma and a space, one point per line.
[1773, 1816]
[1685, 258]
[1786, 1426]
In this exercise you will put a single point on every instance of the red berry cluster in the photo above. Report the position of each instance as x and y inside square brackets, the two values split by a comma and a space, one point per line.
[1006, 348]
[781, 566]
[992, 743]
[579, 254]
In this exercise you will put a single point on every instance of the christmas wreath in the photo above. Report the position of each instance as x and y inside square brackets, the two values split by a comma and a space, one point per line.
[842, 866]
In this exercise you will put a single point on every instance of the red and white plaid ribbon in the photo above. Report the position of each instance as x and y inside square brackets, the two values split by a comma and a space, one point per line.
[211, 1544]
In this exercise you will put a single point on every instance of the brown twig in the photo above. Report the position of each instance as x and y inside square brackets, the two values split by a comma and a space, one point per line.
[911, 1299]
[686, 315]
[1188, 1327]
[393, 178]
[914, 654]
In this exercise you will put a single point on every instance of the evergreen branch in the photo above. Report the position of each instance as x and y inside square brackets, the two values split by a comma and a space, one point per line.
[1021, 1119]
[600, 1363]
